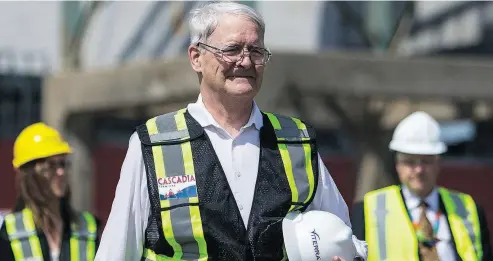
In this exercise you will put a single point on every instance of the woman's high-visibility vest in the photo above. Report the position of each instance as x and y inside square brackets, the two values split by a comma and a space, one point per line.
[390, 234]
[25, 241]
[194, 215]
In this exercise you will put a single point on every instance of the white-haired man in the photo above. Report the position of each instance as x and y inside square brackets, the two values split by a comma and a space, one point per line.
[214, 180]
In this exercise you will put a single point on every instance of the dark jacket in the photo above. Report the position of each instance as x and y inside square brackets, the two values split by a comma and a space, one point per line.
[6, 253]
[358, 224]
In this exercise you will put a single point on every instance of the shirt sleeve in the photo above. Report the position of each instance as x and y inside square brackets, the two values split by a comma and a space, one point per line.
[328, 198]
[123, 235]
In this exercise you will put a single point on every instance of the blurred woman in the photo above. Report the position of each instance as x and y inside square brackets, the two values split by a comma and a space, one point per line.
[43, 225]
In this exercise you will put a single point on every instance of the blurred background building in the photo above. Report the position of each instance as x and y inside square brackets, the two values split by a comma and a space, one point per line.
[95, 70]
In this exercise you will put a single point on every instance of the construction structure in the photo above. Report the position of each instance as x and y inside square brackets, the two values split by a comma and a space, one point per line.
[363, 93]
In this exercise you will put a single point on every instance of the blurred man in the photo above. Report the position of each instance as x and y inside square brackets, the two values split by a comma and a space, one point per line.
[214, 180]
[419, 220]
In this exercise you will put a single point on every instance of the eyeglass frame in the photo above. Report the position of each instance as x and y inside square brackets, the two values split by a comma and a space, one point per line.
[415, 161]
[242, 56]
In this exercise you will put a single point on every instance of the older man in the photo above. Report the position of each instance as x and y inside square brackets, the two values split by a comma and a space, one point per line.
[214, 180]
[418, 220]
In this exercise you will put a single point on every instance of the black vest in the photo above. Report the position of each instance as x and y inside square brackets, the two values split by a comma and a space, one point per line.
[224, 231]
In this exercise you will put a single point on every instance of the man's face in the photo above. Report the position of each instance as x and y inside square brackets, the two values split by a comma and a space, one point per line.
[242, 78]
[418, 172]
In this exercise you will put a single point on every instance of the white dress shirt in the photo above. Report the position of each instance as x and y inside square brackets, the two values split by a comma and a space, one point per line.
[445, 246]
[124, 234]
[55, 255]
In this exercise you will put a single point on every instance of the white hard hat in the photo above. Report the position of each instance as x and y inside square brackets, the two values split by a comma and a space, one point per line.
[317, 235]
[419, 134]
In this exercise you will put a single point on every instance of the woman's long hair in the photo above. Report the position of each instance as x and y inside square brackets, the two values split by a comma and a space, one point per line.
[35, 193]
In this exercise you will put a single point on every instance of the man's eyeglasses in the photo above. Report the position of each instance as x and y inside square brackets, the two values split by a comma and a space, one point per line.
[233, 54]
[416, 161]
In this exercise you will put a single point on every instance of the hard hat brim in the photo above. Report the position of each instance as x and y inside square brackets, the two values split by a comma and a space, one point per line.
[64, 148]
[418, 149]
[289, 231]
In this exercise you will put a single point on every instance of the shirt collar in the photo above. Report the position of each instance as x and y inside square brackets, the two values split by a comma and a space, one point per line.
[200, 113]
[412, 201]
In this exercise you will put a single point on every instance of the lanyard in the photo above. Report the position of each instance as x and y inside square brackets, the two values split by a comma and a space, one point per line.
[419, 234]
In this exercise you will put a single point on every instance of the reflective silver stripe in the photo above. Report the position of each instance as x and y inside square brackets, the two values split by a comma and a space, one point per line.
[26, 248]
[82, 250]
[461, 210]
[166, 126]
[173, 160]
[20, 229]
[167, 136]
[174, 166]
[381, 214]
[22, 234]
[82, 230]
[297, 155]
[295, 160]
[290, 131]
[82, 234]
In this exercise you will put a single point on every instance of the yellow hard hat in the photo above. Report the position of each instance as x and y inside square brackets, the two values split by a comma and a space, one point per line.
[38, 141]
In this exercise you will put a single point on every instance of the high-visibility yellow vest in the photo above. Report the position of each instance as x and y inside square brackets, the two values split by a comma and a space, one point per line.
[172, 158]
[391, 236]
[25, 241]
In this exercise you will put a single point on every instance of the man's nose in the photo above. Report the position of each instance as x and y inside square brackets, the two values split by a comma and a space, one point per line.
[245, 61]
[419, 167]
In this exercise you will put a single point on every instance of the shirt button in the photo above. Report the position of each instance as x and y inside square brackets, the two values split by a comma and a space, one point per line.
[240, 207]
[238, 174]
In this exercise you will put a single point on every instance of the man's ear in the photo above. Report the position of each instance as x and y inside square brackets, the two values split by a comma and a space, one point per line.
[193, 56]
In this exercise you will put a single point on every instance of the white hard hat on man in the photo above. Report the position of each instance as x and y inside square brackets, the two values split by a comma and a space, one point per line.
[418, 134]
